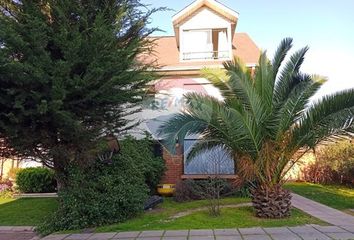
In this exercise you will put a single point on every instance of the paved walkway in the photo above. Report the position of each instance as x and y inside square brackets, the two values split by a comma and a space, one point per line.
[310, 232]
[17, 233]
[322, 212]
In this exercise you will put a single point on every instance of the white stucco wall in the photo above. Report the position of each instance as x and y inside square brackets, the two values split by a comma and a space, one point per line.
[203, 19]
[167, 101]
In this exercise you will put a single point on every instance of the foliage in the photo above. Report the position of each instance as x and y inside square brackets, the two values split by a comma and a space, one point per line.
[189, 189]
[142, 153]
[6, 190]
[35, 180]
[107, 192]
[335, 196]
[264, 118]
[12, 173]
[334, 164]
[318, 173]
[5, 150]
[339, 157]
[212, 189]
[26, 211]
[68, 74]
[186, 191]
[244, 189]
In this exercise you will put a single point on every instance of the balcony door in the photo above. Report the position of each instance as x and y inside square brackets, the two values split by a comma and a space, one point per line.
[198, 44]
[205, 44]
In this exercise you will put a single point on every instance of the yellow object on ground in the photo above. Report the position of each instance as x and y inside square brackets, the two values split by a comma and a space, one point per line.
[166, 190]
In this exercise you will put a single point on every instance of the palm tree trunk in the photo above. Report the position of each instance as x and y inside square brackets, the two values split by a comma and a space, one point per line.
[271, 201]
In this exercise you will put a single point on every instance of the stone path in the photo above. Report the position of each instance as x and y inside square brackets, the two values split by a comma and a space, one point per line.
[322, 212]
[309, 232]
[17, 233]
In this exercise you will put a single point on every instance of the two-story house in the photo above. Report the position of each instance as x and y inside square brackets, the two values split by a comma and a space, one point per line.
[204, 36]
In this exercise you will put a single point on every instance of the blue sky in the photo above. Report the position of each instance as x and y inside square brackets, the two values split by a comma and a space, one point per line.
[326, 26]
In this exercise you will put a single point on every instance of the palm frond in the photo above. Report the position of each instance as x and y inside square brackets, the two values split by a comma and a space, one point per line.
[331, 115]
[242, 85]
[280, 54]
[264, 81]
[219, 79]
[178, 127]
[295, 105]
[286, 80]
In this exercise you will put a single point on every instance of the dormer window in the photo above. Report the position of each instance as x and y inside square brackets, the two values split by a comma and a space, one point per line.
[205, 44]
[205, 31]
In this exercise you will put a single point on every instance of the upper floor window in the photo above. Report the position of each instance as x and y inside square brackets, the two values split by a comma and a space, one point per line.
[205, 44]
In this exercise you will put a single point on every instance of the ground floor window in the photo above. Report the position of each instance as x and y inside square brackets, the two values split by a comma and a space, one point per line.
[214, 161]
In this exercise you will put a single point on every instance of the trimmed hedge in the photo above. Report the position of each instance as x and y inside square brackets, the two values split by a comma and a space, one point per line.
[35, 180]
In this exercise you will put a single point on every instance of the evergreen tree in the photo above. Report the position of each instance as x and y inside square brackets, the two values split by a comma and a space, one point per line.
[68, 74]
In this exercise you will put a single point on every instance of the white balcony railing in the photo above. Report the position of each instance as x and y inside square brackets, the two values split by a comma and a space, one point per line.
[211, 55]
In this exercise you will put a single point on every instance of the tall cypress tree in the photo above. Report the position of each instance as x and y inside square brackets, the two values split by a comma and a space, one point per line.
[68, 74]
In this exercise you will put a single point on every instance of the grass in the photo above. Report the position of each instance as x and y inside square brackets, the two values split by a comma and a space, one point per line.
[230, 218]
[339, 197]
[25, 211]
[32, 211]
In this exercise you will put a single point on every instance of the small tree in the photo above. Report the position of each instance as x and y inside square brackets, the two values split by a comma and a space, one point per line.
[68, 74]
[215, 162]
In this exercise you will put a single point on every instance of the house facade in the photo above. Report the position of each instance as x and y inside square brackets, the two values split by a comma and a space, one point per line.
[205, 36]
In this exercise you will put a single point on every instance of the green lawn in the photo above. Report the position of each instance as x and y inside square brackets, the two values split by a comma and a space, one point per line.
[230, 217]
[32, 211]
[25, 211]
[338, 197]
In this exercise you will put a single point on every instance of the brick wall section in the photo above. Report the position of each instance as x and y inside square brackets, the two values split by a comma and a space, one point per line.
[174, 166]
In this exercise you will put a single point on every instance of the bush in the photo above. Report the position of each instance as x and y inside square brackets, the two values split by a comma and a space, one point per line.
[188, 190]
[319, 173]
[142, 153]
[334, 164]
[6, 189]
[35, 180]
[107, 192]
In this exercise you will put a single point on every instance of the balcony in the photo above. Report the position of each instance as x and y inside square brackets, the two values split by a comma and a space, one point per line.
[209, 55]
[205, 44]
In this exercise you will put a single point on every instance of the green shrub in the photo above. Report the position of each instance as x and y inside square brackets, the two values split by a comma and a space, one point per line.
[110, 192]
[142, 153]
[35, 180]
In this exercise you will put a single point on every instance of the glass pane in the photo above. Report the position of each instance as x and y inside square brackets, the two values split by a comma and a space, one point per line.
[214, 161]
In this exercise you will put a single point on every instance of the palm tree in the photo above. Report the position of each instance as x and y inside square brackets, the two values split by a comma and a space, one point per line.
[262, 121]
